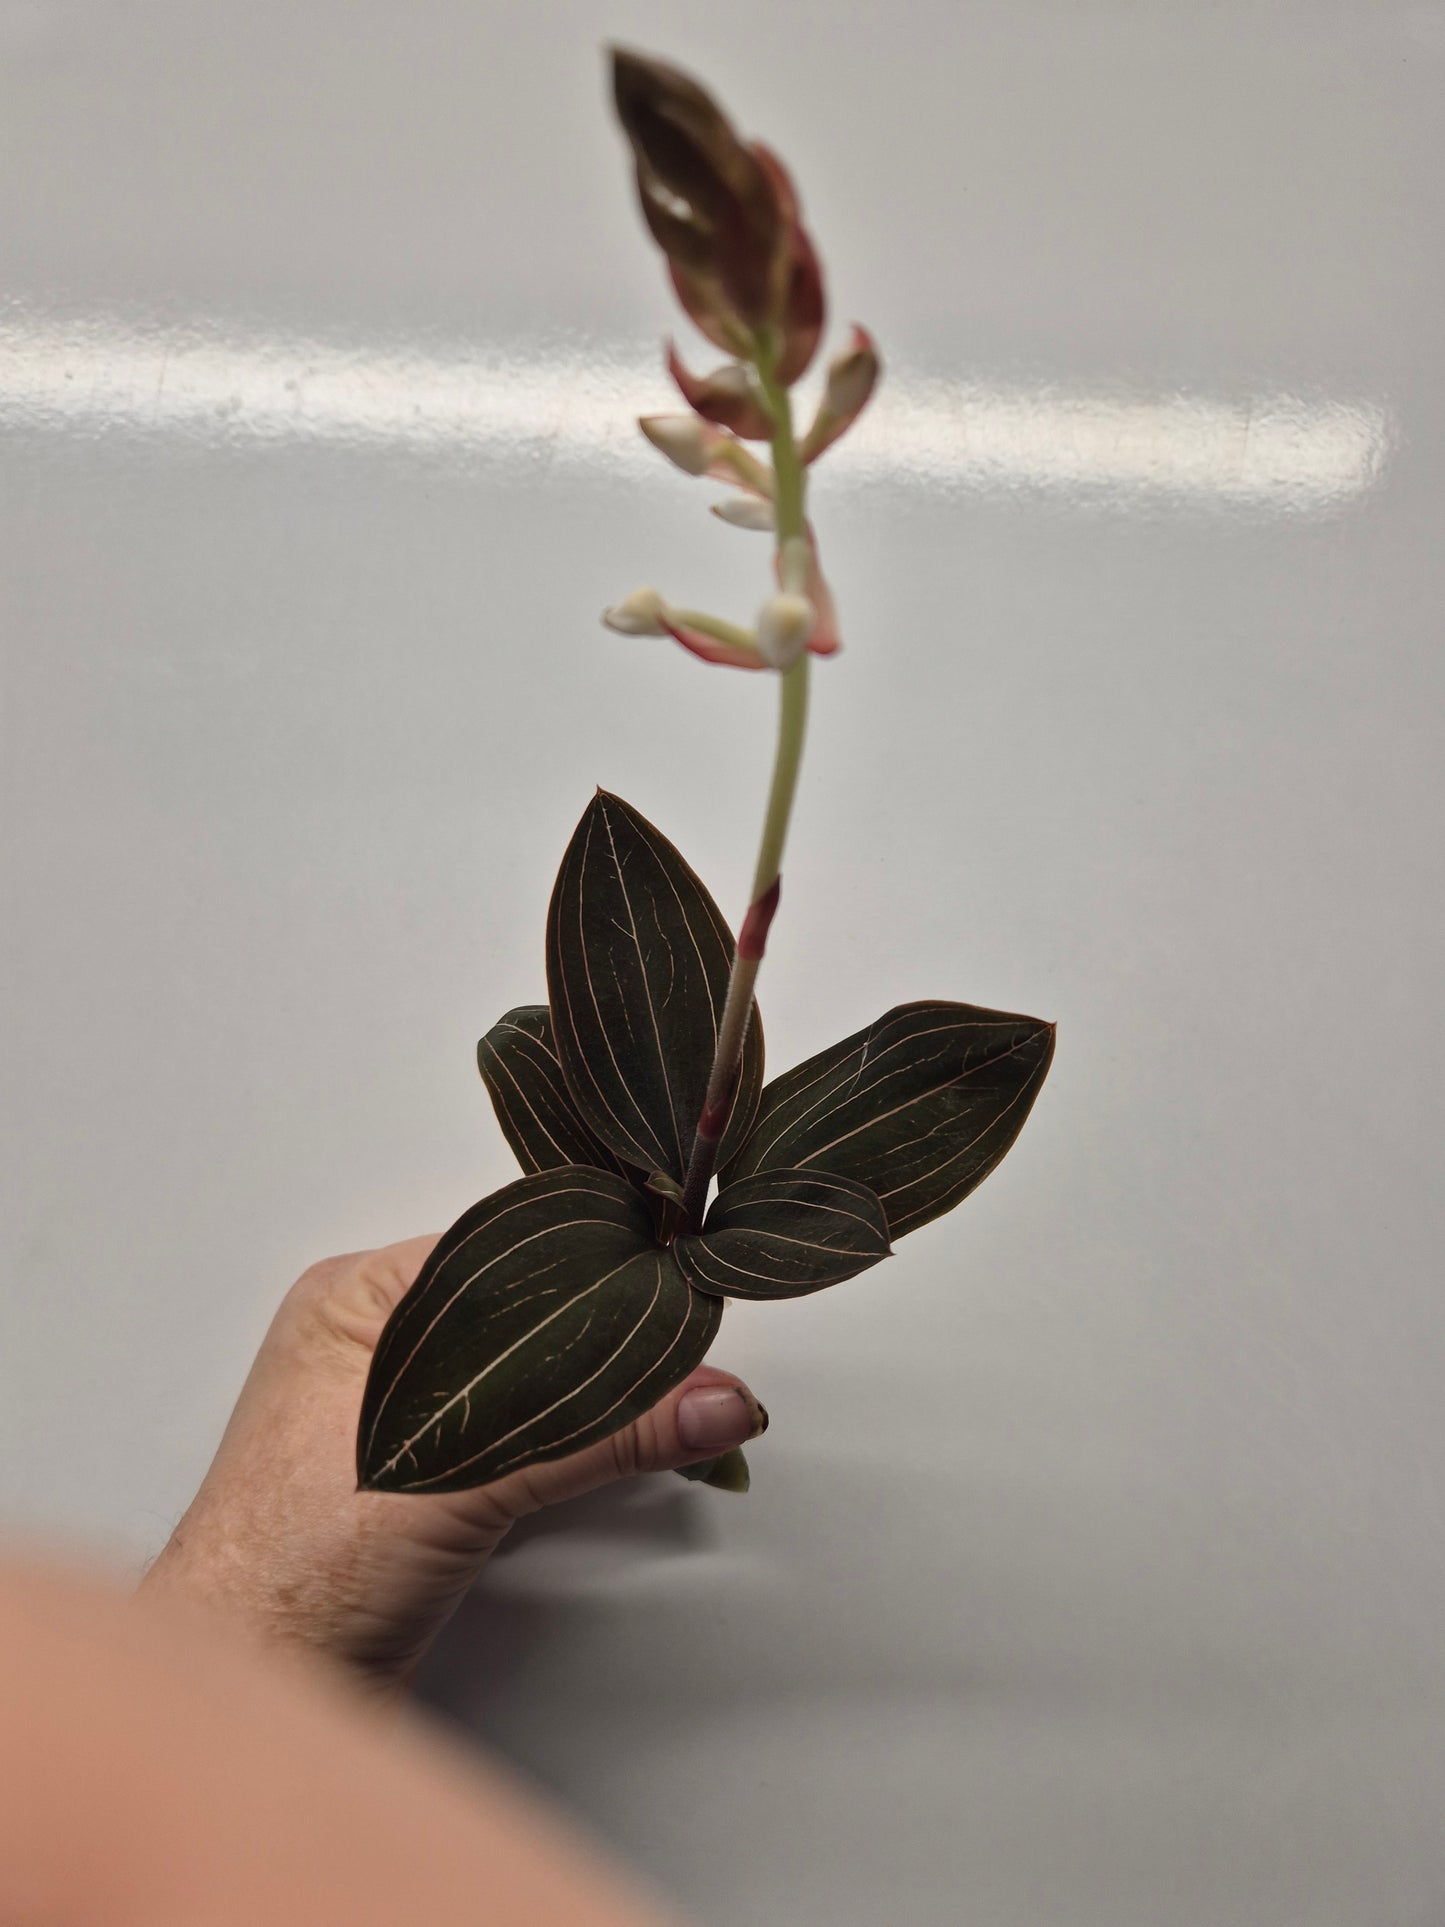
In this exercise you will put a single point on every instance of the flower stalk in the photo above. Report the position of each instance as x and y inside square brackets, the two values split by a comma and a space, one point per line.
[790, 486]
[726, 216]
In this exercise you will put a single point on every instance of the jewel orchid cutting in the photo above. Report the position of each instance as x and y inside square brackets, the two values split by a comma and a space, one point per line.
[663, 1175]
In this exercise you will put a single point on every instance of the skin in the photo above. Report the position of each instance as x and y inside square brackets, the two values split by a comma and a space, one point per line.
[159, 1769]
[225, 1746]
[279, 1541]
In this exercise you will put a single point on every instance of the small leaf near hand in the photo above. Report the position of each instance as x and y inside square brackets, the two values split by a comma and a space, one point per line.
[638, 958]
[919, 1107]
[520, 1068]
[782, 1233]
[544, 1320]
[727, 1473]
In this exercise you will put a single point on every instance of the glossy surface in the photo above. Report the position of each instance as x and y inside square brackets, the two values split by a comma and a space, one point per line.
[1094, 1565]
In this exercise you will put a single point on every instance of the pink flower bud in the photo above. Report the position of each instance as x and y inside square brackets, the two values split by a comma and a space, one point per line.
[852, 377]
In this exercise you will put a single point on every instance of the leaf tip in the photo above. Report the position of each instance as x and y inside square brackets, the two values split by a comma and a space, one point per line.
[726, 1473]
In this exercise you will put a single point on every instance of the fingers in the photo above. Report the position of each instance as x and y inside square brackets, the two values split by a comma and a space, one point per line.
[710, 1411]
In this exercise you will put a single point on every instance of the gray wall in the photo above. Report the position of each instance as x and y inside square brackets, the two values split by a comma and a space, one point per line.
[1093, 1567]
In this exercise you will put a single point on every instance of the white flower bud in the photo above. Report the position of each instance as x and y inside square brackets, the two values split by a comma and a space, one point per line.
[684, 439]
[785, 623]
[638, 614]
[746, 512]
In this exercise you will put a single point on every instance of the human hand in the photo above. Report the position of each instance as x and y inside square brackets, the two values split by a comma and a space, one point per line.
[279, 1538]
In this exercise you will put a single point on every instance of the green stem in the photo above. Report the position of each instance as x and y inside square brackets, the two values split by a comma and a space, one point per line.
[790, 486]
[787, 761]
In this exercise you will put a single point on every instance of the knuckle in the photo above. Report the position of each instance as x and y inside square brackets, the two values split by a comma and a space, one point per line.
[345, 1300]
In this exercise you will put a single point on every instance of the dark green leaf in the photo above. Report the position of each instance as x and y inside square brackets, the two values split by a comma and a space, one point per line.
[545, 1319]
[781, 1233]
[638, 958]
[520, 1068]
[920, 1106]
[728, 1473]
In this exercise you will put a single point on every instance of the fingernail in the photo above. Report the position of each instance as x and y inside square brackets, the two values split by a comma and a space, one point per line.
[714, 1416]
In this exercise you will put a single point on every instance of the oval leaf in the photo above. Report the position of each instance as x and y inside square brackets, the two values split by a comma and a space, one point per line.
[523, 1075]
[782, 1233]
[544, 1320]
[920, 1106]
[638, 958]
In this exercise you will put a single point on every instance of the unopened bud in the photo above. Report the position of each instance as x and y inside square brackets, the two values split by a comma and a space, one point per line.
[852, 377]
[643, 613]
[683, 439]
[729, 396]
[733, 380]
[785, 623]
[746, 512]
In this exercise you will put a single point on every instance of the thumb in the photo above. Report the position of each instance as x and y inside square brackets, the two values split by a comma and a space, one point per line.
[707, 1414]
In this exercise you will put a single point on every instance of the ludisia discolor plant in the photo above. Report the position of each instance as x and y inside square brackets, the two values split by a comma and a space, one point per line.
[563, 1306]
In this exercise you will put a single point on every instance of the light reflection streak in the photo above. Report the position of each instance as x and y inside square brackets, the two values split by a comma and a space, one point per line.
[100, 376]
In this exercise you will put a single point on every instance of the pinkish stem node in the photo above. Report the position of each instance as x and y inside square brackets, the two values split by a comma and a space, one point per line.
[753, 937]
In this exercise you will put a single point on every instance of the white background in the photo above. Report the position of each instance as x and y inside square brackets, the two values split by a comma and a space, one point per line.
[1093, 1567]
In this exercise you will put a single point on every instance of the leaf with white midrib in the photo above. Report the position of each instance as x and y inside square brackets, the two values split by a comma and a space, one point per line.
[545, 1319]
[919, 1107]
[638, 959]
[781, 1233]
